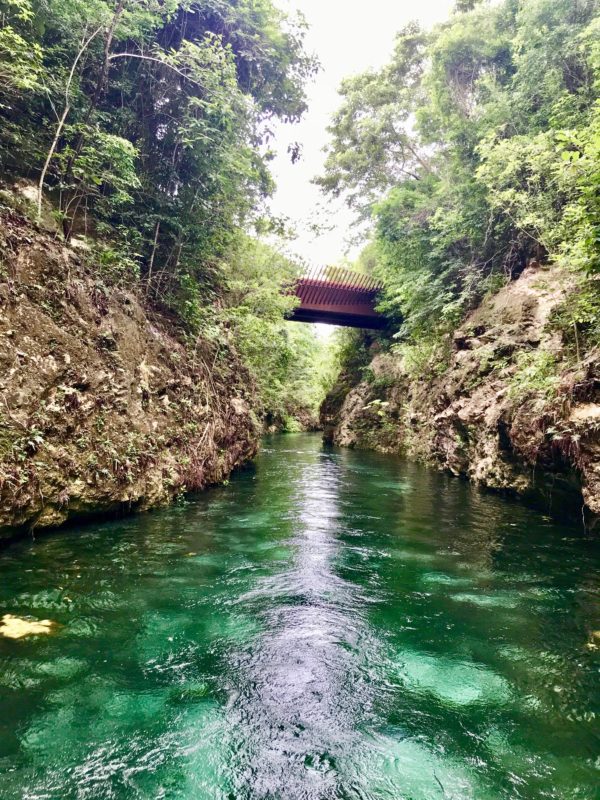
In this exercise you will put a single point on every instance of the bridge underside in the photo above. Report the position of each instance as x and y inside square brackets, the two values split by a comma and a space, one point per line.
[342, 298]
[341, 318]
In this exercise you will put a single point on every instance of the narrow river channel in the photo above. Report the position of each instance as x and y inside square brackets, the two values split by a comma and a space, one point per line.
[331, 624]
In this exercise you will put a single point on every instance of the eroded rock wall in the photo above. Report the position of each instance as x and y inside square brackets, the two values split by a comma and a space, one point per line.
[103, 406]
[491, 413]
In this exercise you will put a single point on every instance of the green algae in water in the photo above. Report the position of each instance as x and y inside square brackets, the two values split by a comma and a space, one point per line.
[440, 580]
[497, 600]
[309, 632]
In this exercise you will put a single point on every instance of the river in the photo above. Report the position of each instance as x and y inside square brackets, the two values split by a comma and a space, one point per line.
[331, 624]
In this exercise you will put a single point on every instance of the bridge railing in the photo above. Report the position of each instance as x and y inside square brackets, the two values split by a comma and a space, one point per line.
[341, 277]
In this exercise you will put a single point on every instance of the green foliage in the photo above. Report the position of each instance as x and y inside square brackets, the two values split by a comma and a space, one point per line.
[466, 5]
[20, 59]
[352, 353]
[287, 360]
[115, 266]
[548, 186]
[580, 153]
[147, 125]
[535, 374]
[371, 142]
[102, 174]
[475, 150]
[291, 424]
[150, 116]
[578, 317]
[422, 357]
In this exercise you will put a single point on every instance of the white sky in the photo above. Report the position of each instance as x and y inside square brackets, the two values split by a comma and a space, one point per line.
[348, 37]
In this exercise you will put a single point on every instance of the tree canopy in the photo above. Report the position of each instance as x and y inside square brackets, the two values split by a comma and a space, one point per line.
[152, 117]
[146, 125]
[473, 151]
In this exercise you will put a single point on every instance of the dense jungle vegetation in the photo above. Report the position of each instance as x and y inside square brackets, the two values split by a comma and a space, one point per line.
[144, 127]
[474, 151]
[146, 124]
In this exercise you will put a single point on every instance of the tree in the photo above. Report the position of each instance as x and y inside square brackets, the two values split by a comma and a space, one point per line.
[472, 152]
[373, 145]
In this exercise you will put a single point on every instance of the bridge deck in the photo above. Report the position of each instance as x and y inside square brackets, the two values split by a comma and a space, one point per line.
[338, 297]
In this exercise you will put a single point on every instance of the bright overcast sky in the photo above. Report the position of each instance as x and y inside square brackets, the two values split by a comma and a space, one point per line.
[348, 37]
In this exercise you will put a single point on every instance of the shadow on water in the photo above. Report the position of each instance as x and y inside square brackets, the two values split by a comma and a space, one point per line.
[333, 625]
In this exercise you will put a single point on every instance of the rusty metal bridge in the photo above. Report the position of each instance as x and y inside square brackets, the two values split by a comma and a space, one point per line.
[338, 296]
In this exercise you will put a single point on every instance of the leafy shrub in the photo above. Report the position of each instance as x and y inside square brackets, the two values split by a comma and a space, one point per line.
[535, 374]
[423, 358]
[578, 317]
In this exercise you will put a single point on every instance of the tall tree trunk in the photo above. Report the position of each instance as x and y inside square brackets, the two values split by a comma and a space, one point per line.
[101, 85]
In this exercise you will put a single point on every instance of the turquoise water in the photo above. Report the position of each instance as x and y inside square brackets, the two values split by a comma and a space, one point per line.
[331, 624]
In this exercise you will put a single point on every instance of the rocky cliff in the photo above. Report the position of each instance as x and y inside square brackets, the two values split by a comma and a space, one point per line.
[512, 402]
[104, 407]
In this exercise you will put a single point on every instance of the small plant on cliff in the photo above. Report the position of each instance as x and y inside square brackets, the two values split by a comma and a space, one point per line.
[377, 407]
[379, 384]
[429, 356]
[578, 317]
[536, 374]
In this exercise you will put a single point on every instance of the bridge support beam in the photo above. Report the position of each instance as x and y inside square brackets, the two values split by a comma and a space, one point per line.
[327, 316]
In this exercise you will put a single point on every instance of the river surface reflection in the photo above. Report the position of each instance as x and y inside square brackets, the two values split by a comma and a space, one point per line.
[331, 625]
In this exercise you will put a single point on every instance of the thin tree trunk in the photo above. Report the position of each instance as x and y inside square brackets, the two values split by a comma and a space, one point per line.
[107, 44]
[63, 118]
[59, 128]
[154, 244]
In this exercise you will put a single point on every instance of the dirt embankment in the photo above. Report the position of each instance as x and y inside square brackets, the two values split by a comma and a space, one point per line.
[510, 407]
[103, 407]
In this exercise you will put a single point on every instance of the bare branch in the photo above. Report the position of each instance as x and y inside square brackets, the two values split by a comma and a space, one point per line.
[156, 61]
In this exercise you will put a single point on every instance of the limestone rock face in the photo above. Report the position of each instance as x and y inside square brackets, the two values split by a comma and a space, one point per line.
[474, 418]
[103, 408]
